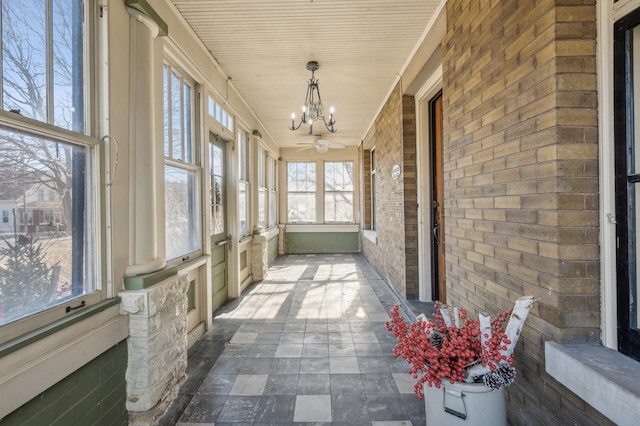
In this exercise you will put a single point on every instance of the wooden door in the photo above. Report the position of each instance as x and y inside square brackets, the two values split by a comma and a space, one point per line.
[439, 265]
[220, 240]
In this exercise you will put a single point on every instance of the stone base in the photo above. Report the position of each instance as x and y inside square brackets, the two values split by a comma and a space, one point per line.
[155, 414]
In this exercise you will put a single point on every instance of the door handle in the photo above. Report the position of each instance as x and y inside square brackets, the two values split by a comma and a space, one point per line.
[225, 241]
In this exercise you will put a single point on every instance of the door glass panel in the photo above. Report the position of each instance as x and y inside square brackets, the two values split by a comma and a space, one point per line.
[216, 163]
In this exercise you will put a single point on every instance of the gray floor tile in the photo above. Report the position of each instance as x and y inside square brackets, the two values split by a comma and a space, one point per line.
[281, 384]
[203, 409]
[314, 384]
[315, 350]
[276, 409]
[217, 384]
[314, 365]
[346, 384]
[249, 384]
[239, 409]
[256, 366]
[344, 365]
[379, 383]
[285, 365]
[312, 408]
[349, 408]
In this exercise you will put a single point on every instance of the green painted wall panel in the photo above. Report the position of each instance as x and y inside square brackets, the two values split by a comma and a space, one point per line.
[92, 395]
[322, 242]
[272, 247]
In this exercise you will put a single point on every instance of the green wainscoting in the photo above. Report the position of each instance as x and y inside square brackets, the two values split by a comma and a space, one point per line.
[322, 242]
[94, 395]
[272, 246]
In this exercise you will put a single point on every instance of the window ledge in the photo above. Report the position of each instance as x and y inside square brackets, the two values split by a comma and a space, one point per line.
[370, 235]
[608, 380]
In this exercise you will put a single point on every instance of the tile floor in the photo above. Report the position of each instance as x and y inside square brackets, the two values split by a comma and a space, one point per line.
[307, 345]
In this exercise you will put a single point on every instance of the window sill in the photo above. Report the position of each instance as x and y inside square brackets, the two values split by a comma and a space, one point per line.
[604, 378]
[29, 370]
[370, 235]
[322, 227]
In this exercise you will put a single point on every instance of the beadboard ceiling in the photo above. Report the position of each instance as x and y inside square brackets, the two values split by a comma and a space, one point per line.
[264, 45]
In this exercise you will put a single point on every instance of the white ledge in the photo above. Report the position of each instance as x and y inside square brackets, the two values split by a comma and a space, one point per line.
[320, 227]
[607, 380]
[370, 235]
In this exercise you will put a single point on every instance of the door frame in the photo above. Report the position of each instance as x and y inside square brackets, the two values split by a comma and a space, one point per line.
[432, 86]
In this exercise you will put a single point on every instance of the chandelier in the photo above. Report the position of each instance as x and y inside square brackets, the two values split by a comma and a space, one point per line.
[312, 110]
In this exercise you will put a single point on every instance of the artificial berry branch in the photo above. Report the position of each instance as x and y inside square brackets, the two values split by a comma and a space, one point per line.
[443, 349]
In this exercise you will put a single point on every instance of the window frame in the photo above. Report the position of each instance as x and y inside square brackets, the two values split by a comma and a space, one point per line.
[263, 191]
[189, 160]
[272, 183]
[94, 270]
[314, 191]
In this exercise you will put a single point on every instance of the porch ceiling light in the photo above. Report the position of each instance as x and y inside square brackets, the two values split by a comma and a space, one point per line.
[313, 110]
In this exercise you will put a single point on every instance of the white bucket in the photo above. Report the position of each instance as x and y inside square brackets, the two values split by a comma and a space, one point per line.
[467, 404]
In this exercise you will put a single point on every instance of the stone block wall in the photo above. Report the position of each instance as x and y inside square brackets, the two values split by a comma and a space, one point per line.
[395, 254]
[157, 345]
[521, 181]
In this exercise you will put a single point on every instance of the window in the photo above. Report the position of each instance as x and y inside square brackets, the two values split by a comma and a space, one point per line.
[220, 114]
[273, 167]
[243, 184]
[44, 274]
[181, 173]
[373, 188]
[301, 192]
[262, 187]
[627, 180]
[5, 216]
[338, 191]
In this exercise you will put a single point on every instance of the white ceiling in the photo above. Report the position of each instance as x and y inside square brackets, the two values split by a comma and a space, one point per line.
[264, 46]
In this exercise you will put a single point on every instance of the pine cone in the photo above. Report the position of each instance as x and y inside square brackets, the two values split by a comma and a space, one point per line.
[507, 373]
[493, 380]
[435, 339]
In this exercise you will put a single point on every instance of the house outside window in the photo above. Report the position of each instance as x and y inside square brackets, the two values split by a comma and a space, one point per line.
[46, 61]
[181, 171]
[373, 188]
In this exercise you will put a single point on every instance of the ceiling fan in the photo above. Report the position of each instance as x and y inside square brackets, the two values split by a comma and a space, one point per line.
[321, 145]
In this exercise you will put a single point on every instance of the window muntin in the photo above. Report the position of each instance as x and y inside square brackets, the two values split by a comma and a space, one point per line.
[181, 173]
[301, 192]
[338, 191]
[48, 259]
[243, 182]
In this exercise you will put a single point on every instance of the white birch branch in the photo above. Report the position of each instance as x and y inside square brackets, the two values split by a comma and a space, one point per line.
[514, 328]
[456, 316]
[444, 311]
[516, 321]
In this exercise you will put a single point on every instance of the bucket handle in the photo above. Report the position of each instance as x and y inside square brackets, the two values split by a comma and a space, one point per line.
[456, 394]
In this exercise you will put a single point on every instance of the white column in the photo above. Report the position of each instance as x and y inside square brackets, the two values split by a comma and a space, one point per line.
[142, 136]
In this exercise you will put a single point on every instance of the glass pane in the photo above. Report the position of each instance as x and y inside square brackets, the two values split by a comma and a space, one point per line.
[216, 187]
[181, 211]
[302, 208]
[176, 118]
[68, 98]
[212, 107]
[188, 157]
[338, 207]
[24, 58]
[167, 106]
[44, 237]
[272, 208]
[339, 176]
[262, 207]
[243, 207]
[218, 214]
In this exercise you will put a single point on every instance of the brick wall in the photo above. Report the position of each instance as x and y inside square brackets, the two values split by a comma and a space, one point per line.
[395, 255]
[92, 395]
[521, 181]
